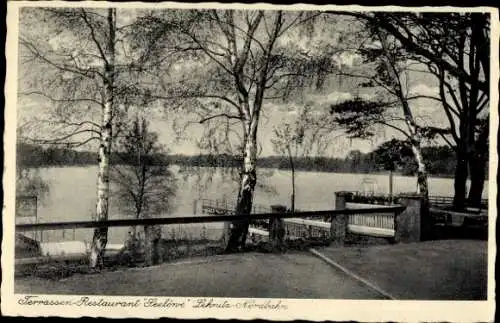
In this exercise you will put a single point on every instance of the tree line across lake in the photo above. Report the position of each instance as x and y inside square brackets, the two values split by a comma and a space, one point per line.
[440, 160]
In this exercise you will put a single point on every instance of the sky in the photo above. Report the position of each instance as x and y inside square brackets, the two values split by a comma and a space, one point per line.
[428, 112]
[276, 114]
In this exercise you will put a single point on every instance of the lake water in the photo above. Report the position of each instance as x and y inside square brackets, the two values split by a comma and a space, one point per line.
[72, 194]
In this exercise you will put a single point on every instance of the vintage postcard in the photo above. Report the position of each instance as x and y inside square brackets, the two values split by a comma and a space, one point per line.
[243, 161]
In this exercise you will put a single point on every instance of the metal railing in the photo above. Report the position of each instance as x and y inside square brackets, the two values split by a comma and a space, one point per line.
[225, 207]
[295, 225]
[378, 220]
[381, 198]
[447, 200]
[316, 224]
[198, 219]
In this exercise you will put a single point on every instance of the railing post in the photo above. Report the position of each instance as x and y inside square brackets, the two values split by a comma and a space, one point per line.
[339, 223]
[277, 229]
[408, 225]
[148, 245]
[339, 200]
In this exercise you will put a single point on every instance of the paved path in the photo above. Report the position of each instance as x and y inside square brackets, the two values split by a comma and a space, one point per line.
[297, 275]
[432, 270]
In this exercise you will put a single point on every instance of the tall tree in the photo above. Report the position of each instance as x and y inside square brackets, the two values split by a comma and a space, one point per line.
[392, 108]
[465, 102]
[243, 60]
[301, 137]
[144, 184]
[69, 63]
[455, 48]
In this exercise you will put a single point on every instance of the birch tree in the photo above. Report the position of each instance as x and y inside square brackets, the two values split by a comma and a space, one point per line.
[69, 64]
[391, 109]
[242, 60]
[414, 135]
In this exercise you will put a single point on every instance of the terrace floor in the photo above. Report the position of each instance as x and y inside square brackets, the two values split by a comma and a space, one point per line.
[257, 275]
[431, 270]
[445, 270]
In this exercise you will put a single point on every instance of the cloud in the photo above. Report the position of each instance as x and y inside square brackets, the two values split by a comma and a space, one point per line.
[347, 59]
[330, 98]
[374, 45]
[424, 89]
[427, 108]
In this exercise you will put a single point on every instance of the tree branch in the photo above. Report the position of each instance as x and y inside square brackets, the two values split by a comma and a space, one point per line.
[88, 73]
[69, 144]
[411, 45]
[60, 100]
[228, 116]
[92, 34]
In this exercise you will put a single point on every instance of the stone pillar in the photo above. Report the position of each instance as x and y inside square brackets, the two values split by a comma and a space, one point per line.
[277, 229]
[339, 222]
[339, 200]
[410, 225]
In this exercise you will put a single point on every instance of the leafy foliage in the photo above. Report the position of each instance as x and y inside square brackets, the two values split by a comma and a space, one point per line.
[358, 116]
[144, 186]
[393, 154]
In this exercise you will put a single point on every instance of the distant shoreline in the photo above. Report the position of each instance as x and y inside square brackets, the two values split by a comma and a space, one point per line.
[447, 176]
[440, 161]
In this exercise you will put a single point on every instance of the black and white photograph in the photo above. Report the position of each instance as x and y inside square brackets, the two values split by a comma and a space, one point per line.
[244, 161]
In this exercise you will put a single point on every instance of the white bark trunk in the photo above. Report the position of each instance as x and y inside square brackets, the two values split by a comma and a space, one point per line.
[251, 116]
[421, 171]
[422, 182]
[100, 238]
[415, 137]
[239, 229]
[249, 168]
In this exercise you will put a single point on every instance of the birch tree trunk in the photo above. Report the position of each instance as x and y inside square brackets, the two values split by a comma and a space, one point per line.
[239, 229]
[415, 137]
[423, 187]
[100, 237]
